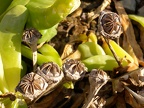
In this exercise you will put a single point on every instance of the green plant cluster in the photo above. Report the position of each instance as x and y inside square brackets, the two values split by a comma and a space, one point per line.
[15, 16]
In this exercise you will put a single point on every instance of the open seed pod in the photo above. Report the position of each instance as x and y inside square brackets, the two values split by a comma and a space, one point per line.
[31, 86]
[50, 72]
[31, 36]
[109, 25]
[74, 69]
[53, 75]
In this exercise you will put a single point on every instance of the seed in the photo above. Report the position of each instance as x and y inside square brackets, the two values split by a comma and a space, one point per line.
[50, 72]
[74, 69]
[30, 36]
[109, 25]
[31, 86]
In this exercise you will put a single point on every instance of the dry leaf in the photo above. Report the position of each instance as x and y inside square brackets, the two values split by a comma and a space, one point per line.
[129, 42]
[138, 98]
[137, 77]
[131, 100]
[141, 37]
[120, 101]
[111, 101]
[67, 50]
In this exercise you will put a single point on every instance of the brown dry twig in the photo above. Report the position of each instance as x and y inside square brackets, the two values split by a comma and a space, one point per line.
[99, 9]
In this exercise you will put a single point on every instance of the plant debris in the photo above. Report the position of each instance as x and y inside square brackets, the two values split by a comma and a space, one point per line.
[122, 87]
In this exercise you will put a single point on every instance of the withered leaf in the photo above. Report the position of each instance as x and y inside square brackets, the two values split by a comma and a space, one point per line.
[129, 42]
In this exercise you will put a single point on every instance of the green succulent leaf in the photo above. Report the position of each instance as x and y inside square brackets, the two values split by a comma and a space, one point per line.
[11, 29]
[104, 62]
[47, 13]
[4, 5]
[13, 4]
[90, 49]
[138, 19]
[3, 85]
[47, 34]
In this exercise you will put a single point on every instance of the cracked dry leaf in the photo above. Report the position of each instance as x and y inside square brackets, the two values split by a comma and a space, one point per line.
[129, 42]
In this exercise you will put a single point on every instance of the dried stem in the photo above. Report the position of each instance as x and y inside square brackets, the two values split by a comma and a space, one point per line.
[34, 50]
[11, 96]
[97, 79]
[92, 95]
[30, 37]
[99, 9]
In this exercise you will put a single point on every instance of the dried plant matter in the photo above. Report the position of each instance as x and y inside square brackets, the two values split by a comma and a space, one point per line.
[35, 85]
[99, 9]
[50, 72]
[130, 43]
[30, 37]
[109, 25]
[74, 70]
[97, 79]
[31, 86]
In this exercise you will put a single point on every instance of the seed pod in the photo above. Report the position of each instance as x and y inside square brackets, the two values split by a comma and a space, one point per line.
[31, 86]
[31, 36]
[97, 77]
[74, 69]
[109, 25]
[50, 72]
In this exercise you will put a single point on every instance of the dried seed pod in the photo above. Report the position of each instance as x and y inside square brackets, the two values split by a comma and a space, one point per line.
[109, 25]
[98, 77]
[52, 74]
[74, 69]
[31, 36]
[31, 86]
